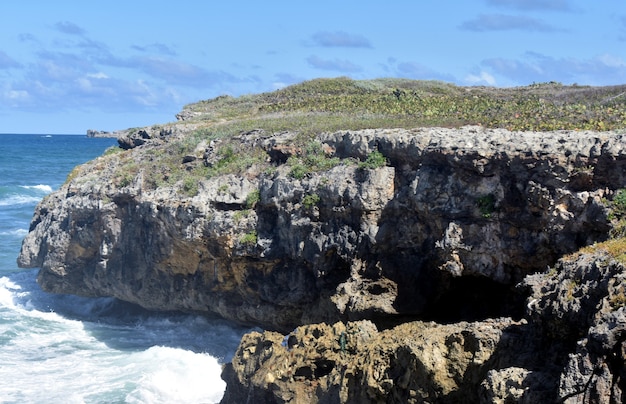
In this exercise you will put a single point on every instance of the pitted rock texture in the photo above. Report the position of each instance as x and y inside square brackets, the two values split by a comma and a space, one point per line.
[415, 362]
[582, 303]
[455, 219]
[570, 347]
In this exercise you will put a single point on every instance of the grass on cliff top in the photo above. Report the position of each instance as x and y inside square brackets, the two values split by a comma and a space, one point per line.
[341, 103]
[329, 105]
[615, 247]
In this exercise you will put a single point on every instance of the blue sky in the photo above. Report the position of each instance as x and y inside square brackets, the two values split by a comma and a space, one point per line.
[68, 66]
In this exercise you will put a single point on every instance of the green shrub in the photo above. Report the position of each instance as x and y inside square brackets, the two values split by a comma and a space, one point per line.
[249, 238]
[112, 150]
[190, 186]
[253, 198]
[298, 170]
[486, 205]
[313, 159]
[619, 202]
[227, 156]
[374, 160]
[617, 214]
[310, 201]
[239, 215]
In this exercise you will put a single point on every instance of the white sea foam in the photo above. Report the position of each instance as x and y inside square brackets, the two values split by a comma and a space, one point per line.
[11, 200]
[15, 233]
[174, 375]
[74, 350]
[39, 187]
[7, 291]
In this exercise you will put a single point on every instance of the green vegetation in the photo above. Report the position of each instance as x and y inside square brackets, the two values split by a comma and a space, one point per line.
[190, 186]
[249, 238]
[311, 159]
[618, 213]
[239, 215]
[252, 199]
[334, 104]
[310, 201]
[619, 203]
[113, 150]
[486, 205]
[374, 160]
[329, 105]
[615, 247]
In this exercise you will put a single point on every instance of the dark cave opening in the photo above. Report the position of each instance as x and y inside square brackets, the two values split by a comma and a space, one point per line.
[475, 298]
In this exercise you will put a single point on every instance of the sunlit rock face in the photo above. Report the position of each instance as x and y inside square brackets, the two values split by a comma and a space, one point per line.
[444, 230]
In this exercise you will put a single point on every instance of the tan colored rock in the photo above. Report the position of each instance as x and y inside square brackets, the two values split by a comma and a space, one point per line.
[354, 363]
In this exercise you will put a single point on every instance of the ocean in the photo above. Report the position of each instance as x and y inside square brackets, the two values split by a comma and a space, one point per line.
[68, 349]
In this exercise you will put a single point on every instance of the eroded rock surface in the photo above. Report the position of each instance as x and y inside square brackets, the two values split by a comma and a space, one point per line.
[569, 348]
[355, 363]
[455, 216]
[461, 226]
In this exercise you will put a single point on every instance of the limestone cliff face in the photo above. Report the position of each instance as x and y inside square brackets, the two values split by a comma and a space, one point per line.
[457, 215]
[570, 347]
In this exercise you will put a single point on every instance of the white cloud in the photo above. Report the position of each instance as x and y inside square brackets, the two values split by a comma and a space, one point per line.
[504, 22]
[17, 95]
[7, 62]
[338, 65]
[341, 39]
[69, 28]
[612, 61]
[527, 5]
[482, 78]
[532, 67]
[278, 85]
[98, 75]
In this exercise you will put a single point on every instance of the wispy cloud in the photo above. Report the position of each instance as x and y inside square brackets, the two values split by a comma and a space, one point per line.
[27, 37]
[418, 71]
[505, 22]
[622, 36]
[77, 72]
[155, 48]
[7, 62]
[534, 67]
[69, 28]
[482, 78]
[50, 86]
[532, 5]
[179, 73]
[344, 66]
[340, 39]
[285, 79]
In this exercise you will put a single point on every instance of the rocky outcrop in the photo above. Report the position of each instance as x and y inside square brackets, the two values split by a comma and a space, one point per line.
[431, 268]
[355, 363]
[569, 348]
[581, 303]
[103, 133]
[455, 219]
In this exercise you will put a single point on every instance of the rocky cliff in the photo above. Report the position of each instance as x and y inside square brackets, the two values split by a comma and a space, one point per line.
[570, 347]
[454, 220]
[391, 265]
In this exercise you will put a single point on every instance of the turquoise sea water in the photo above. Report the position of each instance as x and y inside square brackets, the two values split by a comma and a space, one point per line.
[67, 349]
